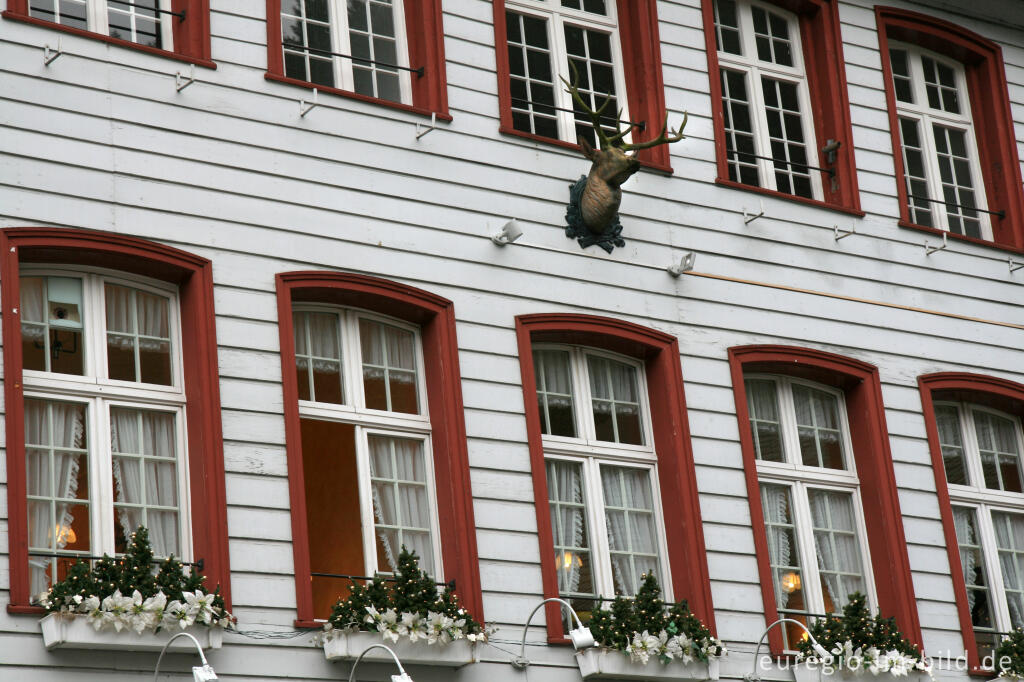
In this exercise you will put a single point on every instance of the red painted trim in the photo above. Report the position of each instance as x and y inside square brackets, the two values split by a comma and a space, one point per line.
[990, 104]
[826, 83]
[879, 495]
[191, 37]
[978, 388]
[194, 277]
[641, 65]
[660, 352]
[726, 182]
[436, 317]
[424, 30]
[961, 237]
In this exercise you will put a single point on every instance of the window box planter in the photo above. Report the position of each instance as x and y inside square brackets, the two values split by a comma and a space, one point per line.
[598, 664]
[75, 632]
[348, 645]
[804, 673]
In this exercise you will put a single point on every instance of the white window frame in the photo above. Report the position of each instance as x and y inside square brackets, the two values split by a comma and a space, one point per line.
[341, 43]
[593, 454]
[926, 118]
[799, 478]
[754, 69]
[985, 501]
[99, 394]
[369, 422]
[97, 18]
[555, 18]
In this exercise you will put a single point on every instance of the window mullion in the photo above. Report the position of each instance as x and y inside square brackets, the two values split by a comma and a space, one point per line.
[342, 44]
[972, 451]
[986, 528]
[560, 67]
[581, 378]
[934, 173]
[759, 118]
[808, 553]
[599, 534]
[352, 362]
[97, 16]
[366, 502]
[102, 493]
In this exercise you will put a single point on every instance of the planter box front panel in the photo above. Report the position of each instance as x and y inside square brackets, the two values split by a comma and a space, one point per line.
[347, 646]
[802, 673]
[605, 664]
[75, 632]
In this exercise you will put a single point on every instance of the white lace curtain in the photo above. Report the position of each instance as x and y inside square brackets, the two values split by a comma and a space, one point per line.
[610, 380]
[568, 525]
[963, 520]
[124, 307]
[145, 474]
[1010, 541]
[51, 425]
[775, 501]
[323, 341]
[401, 351]
[33, 308]
[835, 544]
[400, 503]
[631, 530]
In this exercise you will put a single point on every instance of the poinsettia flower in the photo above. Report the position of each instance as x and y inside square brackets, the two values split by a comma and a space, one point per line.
[199, 605]
[117, 610]
[178, 614]
[92, 607]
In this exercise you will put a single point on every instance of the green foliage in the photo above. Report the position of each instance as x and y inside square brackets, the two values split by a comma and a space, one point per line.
[409, 591]
[616, 627]
[1009, 655]
[861, 629]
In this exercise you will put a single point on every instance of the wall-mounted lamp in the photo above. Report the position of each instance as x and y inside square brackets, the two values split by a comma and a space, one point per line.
[685, 264]
[402, 676]
[826, 657]
[510, 232]
[580, 636]
[200, 673]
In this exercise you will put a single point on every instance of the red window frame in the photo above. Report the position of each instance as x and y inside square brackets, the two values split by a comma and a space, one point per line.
[194, 278]
[191, 36]
[1002, 394]
[990, 105]
[862, 388]
[436, 318]
[641, 68]
[822, 43]
[680, 502]
[425, 38]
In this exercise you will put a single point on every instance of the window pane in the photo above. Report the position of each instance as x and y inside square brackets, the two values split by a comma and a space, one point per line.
[372, 36]
[762, 404]
[973, 565]
[590, 62]
[836, 546]
[532, 81]
[67, 12]
[947, 419]
[57, 485]
[771, 35]
[400, 500]
[135, 21]
[817, 418]
[145, 477]
[567, 502]
[727, 27]
[629, 518]
[783, 551]
[389, 367]
[957, 183]
[914, 173]
[1000, 457]
[138, 335]
[52, 328]
[615, 399]
[318, 359]
[785, 130]
[1009, 530]
[333, 514]
[554, 392]
[739, 139]
[306, 40]
[901, 75]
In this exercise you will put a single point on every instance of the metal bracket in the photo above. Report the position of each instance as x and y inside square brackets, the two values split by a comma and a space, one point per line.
[1014, 265]
[749, 217]
[433, 126]
[842, 234]
[49, 56]
[179, 80]
[929, 250]
[685, 264]
[306, 107]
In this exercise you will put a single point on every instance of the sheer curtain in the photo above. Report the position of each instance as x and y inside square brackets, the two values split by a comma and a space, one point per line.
[400, 503]
[130, 311]
[33, 308]
[629, 518]
[145, 475]
[775, 502]
[835, 544]
[51, 428]
[568, 523]
[963, 521]
[1010, 542]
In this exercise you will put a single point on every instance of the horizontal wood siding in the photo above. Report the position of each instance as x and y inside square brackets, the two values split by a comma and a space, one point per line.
[228, 170]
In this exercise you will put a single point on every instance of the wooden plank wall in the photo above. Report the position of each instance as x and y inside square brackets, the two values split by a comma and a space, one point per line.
[227, 169]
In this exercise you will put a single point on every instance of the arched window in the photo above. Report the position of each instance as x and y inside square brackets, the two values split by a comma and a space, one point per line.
[610, 448]
[823, 497]
[376, 441]
[111, 388]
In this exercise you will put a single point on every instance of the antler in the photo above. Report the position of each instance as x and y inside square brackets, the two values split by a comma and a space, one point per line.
[663, 138]
[595, 115]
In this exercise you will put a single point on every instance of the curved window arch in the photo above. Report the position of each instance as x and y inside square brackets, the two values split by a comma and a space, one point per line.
[170, 367]
[655, 357]
[381, 374]
[857, 390]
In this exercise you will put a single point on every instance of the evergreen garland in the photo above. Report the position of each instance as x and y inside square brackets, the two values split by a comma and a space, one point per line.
[1009, 655]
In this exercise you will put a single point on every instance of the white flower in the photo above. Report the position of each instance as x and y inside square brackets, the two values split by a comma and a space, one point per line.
[92, 608]
[412, 625]
[117, 610]
[643, 645]
[178, 613]
[372, 615]
[199, 605]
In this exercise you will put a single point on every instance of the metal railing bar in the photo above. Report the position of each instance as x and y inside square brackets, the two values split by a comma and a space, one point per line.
[180, 15]
[419, 71]
[1001, 214]
[642, 125]
[830, 171]
[92, 557]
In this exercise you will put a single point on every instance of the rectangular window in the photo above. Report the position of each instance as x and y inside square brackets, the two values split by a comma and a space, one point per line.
[601, 474]
[137, 21]
[809, 498]
[940, 156]
[111, 459]
[358, 46]
[548, 40]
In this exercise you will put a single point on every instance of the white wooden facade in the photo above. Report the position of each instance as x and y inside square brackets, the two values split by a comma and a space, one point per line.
[228, 170]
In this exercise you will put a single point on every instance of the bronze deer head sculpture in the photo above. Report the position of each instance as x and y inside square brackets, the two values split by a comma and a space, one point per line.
[611, 162]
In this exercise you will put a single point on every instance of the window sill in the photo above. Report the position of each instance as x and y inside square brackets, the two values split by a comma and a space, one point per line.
[17, 610]
[75, 632]
[421, 111]
[347, 646]
[960, 237]
[17, 16]
[789, 197]
[572, 146]
[599, 663]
